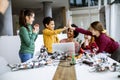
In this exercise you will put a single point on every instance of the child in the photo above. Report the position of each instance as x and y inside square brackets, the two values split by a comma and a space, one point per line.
[89, 44]
[28, 34]
[49, 34]
[104, 42]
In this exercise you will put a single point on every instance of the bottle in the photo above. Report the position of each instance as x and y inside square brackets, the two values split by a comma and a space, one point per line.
[73, 60]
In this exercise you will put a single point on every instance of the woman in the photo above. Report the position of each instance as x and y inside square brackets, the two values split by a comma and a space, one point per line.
[28, 34]
[103, 41]
[70, 38]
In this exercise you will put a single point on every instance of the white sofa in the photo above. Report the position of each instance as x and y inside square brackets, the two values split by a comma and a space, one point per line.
[3, 67]
[9, 50]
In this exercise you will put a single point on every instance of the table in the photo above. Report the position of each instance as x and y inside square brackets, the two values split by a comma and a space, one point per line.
[60, 72]
[82, 73]
[42, 73]
[65, 71]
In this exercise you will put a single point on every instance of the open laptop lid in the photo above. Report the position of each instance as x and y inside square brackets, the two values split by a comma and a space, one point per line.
[68, 47]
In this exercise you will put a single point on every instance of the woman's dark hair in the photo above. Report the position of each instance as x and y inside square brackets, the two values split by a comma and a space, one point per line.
[75, 33]
[22, 15]
[47, 20]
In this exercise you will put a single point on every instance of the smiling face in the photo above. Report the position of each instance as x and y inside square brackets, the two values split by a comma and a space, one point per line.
[51, 25]
[96, 28]
[94, 32]
[30, 19]
[70, 33]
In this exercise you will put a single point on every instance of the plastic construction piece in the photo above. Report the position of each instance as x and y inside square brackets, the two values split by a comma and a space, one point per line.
[73, 61]
[88, 63]
[24, 66]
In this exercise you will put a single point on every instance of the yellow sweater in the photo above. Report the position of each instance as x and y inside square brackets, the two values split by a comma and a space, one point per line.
[50, 37]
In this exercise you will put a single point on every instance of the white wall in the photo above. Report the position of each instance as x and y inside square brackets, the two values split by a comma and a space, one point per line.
[83, 17]
[10, 45]
[107, 18]
[115, 22]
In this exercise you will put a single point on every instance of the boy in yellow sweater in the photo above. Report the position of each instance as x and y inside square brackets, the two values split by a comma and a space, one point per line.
[49, 34]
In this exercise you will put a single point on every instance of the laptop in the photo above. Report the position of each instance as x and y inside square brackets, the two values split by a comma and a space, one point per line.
[67, 47]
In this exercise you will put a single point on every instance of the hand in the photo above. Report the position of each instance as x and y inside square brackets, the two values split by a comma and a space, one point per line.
[36, 28]
[86, 42]
[3, 6]
[69, 23]
[65, 28]
[73, 28]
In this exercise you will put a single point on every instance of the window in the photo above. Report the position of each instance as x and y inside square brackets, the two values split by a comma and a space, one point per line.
[102, 2]
[82, 3]
[93, 2]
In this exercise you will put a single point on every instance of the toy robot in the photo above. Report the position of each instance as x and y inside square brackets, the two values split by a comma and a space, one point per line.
[40, 60]
[43, 53]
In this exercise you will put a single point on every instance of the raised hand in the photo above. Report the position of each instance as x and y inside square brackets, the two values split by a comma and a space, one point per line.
[3, 6]
[65, 28]
[69, 23]
[36, 28]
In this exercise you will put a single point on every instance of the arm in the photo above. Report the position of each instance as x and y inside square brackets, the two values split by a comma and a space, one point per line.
[80, 30]
[3, 6]
[77, 46]
[53, 32]
[36, 30]
[84, 46]
[83, 31]
[94, 47]
[103, 43]
[27, 38]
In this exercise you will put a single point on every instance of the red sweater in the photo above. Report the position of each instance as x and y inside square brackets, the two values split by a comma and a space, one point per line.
[90, 47]
[103, 42]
